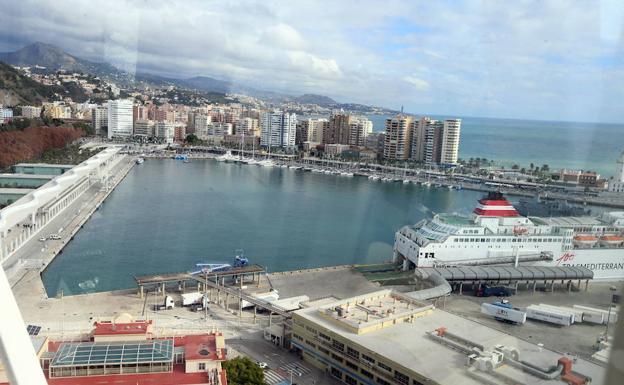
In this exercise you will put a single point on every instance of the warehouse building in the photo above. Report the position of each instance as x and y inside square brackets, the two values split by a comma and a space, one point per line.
[386, 338]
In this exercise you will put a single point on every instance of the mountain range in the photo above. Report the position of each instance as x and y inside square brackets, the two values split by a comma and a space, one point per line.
[55, 59]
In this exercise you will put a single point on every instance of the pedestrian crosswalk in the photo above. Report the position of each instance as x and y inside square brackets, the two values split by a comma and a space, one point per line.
[273, 378]
[296, 367]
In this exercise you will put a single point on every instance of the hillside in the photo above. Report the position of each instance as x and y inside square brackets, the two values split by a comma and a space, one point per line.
[321, 100]
[55, 59]
[16, 88]
[21, 145]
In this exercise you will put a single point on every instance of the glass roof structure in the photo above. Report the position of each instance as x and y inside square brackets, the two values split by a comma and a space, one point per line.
[115, 353]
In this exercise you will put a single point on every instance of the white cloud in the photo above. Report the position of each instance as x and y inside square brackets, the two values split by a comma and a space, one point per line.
[416, 83]
[546, 60]
[283, 36]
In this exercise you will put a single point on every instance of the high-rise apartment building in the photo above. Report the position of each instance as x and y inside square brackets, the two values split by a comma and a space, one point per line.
[433, 141]
[99, 119]
[449, 151]
[419, 130]
[359, 129]
[339, 129]
[119, 118]
[398, 138]
[249, 126]
[139, 112]
[278, 129]
[201, 126]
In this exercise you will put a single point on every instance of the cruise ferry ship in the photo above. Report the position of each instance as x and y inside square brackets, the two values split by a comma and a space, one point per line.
[495, 234]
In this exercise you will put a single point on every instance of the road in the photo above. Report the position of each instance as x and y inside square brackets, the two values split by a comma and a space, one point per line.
[280, 362]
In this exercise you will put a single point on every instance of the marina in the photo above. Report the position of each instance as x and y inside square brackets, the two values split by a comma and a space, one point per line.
[216, 207]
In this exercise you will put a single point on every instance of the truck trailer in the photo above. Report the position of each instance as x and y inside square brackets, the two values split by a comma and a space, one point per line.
[549, 315]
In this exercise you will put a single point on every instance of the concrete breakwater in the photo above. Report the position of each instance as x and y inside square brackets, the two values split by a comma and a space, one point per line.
[35, 256]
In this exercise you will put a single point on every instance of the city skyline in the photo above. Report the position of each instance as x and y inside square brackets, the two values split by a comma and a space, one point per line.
[471, 60]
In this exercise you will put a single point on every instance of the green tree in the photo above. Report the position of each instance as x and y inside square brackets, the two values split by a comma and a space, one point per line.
[192, 139]
[515, 167]
[243, 371]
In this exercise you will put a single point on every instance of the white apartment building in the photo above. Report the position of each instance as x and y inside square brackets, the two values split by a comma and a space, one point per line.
[165, 131]
[278, 129]
[120, 118]
[201, 125]
[450, 141]
[99, 119]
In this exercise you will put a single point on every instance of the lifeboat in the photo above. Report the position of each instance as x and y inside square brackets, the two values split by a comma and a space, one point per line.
[611, 240]
[584, 240]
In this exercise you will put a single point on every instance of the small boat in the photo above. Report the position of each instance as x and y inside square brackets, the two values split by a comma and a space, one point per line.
[186, 161]
[140, 161]
[611, 240]
[584, 240]
[266, 163]
[348, 174]
[406, 181]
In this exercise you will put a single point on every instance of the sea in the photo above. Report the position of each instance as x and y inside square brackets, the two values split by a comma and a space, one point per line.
[572, 145]
[167, 216]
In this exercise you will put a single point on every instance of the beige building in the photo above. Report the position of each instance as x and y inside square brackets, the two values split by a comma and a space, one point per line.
[419, 130]
[338, 130]
[359, 129]
[388, 338]
[398, 138]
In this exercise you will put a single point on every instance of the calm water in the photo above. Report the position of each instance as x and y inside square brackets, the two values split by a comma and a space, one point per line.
[584, 146]
[167, 215]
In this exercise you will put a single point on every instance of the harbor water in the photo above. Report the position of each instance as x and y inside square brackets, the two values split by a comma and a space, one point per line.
[166, 216]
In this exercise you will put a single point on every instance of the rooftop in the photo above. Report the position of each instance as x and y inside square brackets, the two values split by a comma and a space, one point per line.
[90, 353]
[456, 220]
[569, 221]
[373, 311]
[45, 165]
[201, 347]
[407, 344]
[112, 328]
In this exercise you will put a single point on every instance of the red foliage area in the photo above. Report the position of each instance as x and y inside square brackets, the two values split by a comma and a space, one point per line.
[32, 142]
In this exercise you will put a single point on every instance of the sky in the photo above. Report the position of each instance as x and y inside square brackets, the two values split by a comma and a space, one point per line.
[550, 60]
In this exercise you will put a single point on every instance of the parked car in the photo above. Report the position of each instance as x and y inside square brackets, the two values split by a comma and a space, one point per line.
[498, 291]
